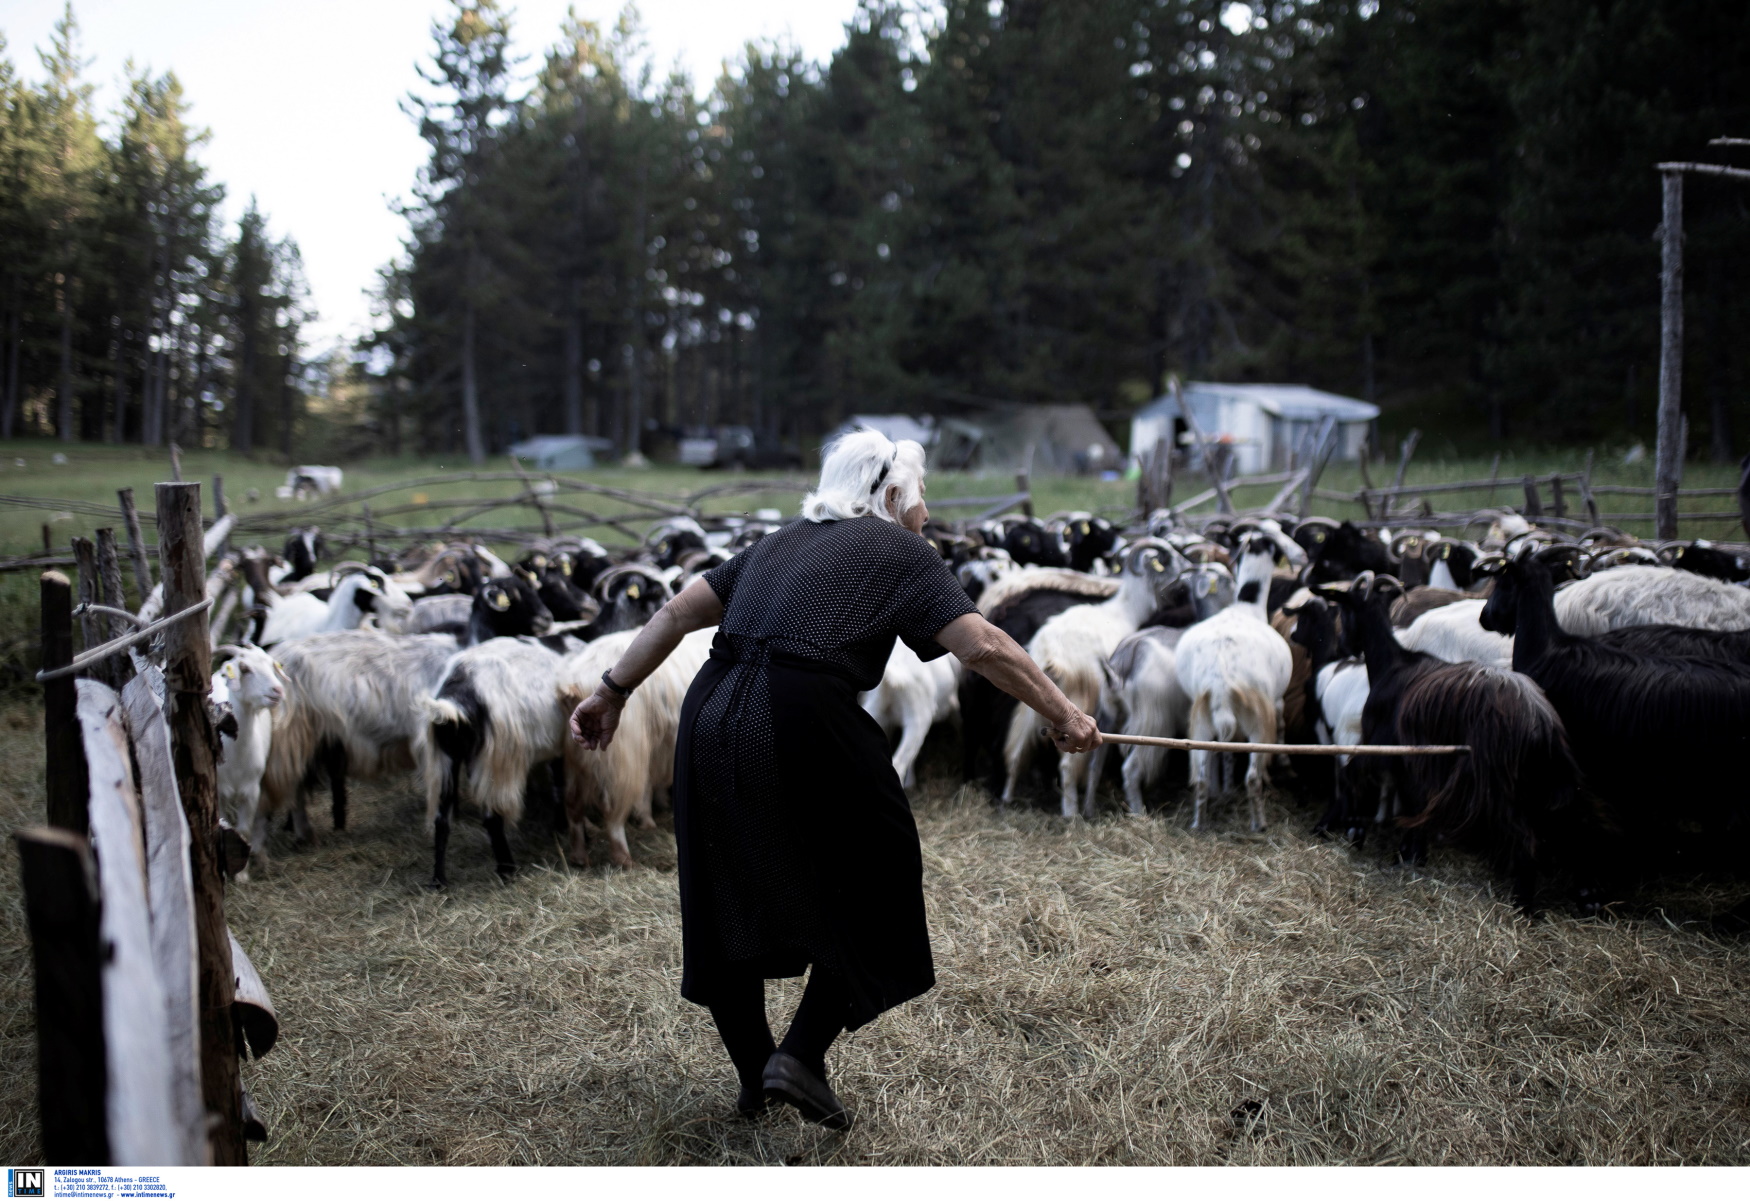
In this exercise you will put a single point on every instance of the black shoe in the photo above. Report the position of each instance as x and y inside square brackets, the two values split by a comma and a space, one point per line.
[787, 1080]
[752, 1103]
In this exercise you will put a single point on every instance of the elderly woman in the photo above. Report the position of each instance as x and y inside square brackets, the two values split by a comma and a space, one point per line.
[797, 846]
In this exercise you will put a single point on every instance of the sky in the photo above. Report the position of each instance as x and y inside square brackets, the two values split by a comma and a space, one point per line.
[301, 98]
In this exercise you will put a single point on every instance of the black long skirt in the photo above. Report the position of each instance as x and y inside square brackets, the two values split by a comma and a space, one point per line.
[796, 843]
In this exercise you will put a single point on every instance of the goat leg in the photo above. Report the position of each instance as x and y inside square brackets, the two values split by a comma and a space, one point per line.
[334, 763]
[506, 865]
[440, 829]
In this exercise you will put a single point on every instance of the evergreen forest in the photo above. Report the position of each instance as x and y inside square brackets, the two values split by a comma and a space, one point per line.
[1448, 207]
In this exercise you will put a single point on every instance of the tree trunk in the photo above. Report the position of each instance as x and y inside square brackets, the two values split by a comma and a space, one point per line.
[243, 420]
[15, 348]
[64, 390]
[574, 361]
[471, 389]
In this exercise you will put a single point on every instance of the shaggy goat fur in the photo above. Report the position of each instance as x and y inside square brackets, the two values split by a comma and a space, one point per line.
[1518, 775]
[618, 782]
[495, 715]
[359, 692]
[1072, 649]
[1638, 596]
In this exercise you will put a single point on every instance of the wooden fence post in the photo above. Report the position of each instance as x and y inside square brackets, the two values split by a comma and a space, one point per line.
[1533, 503]
[60, 904]
[187, 674]
[1668, 458]
[67, 786]
[1558, 503]
[90, 592]
[109, 574]
[136, 543]
[1586, 497]
[219, 510]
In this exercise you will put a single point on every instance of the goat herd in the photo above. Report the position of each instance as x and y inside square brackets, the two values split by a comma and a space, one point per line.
[1601, 684]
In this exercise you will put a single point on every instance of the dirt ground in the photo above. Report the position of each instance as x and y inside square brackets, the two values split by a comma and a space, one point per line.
[1122, 991]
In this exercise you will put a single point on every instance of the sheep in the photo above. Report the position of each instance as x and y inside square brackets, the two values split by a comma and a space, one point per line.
[1236, 668]
[254, 685]
[494, 715]
[1651, 733]
[912, 697]
[1452, 633]
[1732, 645]
[1071, 649]
[1631, 596]
[366, 591]
[1086, 539]
[304, 482]
[1017, 603]
[619, 781]
[354, 705]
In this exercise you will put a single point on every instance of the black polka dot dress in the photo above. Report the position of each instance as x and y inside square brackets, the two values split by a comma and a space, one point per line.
[796, 843]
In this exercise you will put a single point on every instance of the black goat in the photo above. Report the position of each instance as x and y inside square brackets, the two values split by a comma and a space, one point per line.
[1391, 669]
[1512, 793]
[1029, 543]
[1089, 539]
[1710, 561]
[1656, 736]
[1343, 552]
[303, 547]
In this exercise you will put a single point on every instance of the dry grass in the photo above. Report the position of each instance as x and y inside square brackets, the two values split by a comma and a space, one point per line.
[1125, 992]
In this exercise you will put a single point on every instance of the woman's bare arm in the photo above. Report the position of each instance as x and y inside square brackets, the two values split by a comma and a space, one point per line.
[1001, 660]
[697, 607]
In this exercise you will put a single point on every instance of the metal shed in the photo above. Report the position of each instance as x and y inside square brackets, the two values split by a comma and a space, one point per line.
[1264, 423]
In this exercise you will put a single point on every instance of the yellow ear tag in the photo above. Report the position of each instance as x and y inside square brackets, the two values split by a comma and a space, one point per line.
[230, 672]
[500, 601]
[1086, 528]
[1155, 565]
[540, 561]
[1318, 535]
[632, 592]
[449, 577]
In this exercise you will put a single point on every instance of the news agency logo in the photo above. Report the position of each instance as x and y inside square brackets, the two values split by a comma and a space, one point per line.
[24, 1182]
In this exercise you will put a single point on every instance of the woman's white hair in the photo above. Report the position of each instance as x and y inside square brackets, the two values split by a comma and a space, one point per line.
[856, 472]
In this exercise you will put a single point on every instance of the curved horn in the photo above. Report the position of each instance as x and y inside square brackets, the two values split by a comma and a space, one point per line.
[1329, 523]
[1420, 538]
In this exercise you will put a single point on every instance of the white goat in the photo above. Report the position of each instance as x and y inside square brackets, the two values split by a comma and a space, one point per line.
[254, 685]
[1235, 668]
[912, 697]
[355, 699]
[1453, 633]
[1639, 596]
[1072, 649]
[495, 715]
[358, 594]
[619, 782]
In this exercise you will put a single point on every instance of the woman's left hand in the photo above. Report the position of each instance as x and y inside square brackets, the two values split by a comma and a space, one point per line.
[594, 721]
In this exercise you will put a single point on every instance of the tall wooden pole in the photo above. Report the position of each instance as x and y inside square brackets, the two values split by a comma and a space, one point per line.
[136, 543]
[188, 667]
[68, 788]
[1668, 460]
[109, 571]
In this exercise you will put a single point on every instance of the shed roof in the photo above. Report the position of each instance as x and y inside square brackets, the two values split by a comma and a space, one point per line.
[1295, 402]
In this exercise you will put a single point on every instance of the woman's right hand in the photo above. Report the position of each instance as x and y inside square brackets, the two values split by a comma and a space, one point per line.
[594, 721]
[1075, 736]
